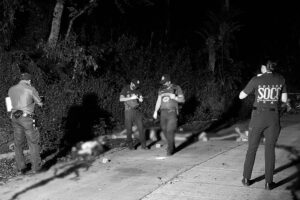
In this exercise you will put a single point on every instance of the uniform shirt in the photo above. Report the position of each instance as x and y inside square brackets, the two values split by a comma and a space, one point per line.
[128, 92]
[267, 88]
[166, 102]
[23, 97]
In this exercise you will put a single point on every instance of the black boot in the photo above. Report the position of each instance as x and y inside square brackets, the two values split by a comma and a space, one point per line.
[246, 182]
[270, 186]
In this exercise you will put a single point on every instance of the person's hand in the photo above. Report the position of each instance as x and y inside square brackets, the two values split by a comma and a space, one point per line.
[155, 115]
[134, 96]
[172, 96]
[141, 99]
[41, 105]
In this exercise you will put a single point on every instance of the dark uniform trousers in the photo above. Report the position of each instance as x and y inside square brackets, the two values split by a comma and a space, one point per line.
[168, 123]
[24, 129]
[262, 122]
[134, 116]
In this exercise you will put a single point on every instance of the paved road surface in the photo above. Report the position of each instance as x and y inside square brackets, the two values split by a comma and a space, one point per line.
[203, 170]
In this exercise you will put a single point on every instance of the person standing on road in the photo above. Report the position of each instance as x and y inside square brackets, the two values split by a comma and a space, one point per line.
[270, 90]
[169, 95]
[132, 98]
[23, 99]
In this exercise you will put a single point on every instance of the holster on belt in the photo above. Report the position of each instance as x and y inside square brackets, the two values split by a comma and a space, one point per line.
[17, 114]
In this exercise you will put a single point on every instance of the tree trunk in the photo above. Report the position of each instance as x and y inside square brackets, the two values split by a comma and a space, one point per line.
[56, 22]
[85, 9]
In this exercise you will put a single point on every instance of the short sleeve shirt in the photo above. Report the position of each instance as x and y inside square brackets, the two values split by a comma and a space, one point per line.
[23, 97]
[166, 102]
[128, 92]
[267, 89]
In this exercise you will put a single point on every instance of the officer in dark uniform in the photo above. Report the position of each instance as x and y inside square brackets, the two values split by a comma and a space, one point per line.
[131, 97]
[270, 90]
[169, 95]
[24, 97]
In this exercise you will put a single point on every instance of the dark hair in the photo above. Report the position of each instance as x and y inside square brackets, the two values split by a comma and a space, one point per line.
[270, 65]
[25, 76]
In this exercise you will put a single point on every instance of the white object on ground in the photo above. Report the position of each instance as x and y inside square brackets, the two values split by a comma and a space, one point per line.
[160, 158]
[203, 137]
[105, 160]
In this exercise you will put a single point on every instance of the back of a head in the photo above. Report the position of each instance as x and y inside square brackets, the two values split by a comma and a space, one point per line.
[25, 76]
[270, 65]
[165, 78]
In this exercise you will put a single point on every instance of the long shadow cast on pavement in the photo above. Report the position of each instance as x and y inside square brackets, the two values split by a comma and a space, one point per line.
[71, 168]
[79, 127]
[295, 161]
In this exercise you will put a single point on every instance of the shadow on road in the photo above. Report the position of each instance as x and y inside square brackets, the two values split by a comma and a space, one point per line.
[70, 168]
[79, 126]
[294, 161]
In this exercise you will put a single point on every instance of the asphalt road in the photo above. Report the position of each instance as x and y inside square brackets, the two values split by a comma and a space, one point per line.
[202, 170]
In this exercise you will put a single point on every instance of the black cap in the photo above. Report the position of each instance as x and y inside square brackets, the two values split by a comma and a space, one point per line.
[25, 76]
[165, 78]
[135, 81]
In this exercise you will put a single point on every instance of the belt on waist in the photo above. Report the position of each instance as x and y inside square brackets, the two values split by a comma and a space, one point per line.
[168, 110]
[27, 115]
[264, 109]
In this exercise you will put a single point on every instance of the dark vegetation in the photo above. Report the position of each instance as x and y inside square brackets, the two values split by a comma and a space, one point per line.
[82, 75]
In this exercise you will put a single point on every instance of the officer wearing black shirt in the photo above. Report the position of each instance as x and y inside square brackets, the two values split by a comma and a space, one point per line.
[131, 97]
[270, 90]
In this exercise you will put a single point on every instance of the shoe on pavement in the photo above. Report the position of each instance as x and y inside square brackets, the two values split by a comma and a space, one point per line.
[246, 182]
[33, 171]
[269, 186]
[170, 153]
[145, 148]
[130, 146]
[21, 172]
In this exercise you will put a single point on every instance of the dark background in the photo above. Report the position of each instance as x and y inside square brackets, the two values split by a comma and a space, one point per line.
[144, 39]
[268, 27]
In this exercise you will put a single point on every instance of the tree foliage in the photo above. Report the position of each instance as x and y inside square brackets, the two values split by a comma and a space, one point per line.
[8, 9]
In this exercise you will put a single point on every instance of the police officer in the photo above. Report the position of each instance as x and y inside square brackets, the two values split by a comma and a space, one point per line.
[169, 95]
[270, 90]
[131, 97]
[23, 98]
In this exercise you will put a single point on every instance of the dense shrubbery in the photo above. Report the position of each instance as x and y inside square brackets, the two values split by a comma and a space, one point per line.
[82, 97]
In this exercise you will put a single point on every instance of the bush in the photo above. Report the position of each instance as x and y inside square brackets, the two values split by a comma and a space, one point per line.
[85, 104]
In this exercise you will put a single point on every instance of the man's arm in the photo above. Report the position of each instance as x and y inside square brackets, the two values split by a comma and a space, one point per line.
[157, 106]
[179, 95]
[179, 98]
[123, 98]
[284, 97]
[36, 97]
[248, 89]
